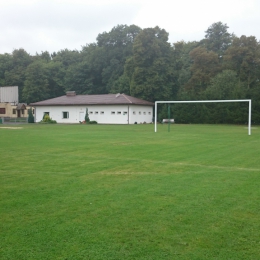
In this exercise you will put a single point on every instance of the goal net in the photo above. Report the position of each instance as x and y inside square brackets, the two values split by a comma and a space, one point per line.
[206, 101]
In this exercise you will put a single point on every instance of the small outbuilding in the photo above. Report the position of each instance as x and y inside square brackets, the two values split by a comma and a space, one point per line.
[105, 109]
[9, 104]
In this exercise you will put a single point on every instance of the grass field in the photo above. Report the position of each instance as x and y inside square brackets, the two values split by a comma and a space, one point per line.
[125, 192]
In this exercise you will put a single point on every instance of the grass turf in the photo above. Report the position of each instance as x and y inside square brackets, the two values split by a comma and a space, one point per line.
[125, 192]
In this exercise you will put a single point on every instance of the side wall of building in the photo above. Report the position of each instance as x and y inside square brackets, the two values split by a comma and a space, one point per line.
[140, 114]
[9, 110]
[103, 114]
[9, 94]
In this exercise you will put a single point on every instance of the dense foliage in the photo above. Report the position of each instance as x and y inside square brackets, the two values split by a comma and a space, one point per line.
[142, 63]
[47, 120]
[87, 116]
[30, 116]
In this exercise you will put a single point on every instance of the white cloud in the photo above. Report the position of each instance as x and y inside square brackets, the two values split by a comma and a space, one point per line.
[188, 20]
[57, 26]
[52, 25]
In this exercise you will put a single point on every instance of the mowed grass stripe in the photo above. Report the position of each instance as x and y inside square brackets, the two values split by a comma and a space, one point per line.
[125, 192]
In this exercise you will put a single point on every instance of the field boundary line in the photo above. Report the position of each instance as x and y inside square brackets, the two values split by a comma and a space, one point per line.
[181, 164]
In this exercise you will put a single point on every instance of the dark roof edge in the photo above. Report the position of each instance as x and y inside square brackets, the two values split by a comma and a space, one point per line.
[94, 104]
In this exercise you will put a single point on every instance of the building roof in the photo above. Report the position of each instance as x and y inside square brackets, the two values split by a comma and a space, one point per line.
[21, 106]
[71, 99]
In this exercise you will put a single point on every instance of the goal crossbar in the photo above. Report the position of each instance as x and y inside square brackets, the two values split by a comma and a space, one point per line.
[206, 101]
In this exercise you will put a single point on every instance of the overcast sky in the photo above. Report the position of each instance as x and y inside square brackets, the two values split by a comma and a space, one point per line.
[53, 25]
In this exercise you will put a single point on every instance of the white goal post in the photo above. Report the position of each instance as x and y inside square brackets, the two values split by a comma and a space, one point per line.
[205, 101]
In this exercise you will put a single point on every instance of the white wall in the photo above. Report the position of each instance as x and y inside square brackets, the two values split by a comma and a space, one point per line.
[140, 114]
[103, 114]
[9, 94]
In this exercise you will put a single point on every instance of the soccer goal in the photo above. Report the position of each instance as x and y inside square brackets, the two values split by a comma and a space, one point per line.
[206, 101]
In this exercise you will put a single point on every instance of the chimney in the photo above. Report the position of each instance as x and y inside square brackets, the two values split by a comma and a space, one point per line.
[70, 93]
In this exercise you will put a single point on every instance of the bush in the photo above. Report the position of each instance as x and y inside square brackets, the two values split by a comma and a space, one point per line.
[30, 117]
[86, 116]
[47, 120]
[92, 122]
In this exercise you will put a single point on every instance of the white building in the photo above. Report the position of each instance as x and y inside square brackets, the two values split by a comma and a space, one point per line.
[105, 109]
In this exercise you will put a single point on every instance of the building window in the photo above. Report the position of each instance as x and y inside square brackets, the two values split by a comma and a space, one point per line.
[149, 113]
[140, 112]
[119, 112]
[144, 113]
[90, 112]
[65, 114]
[22, 112]
[33, 111]
[133, 112]
[113, 112]
[124, 113]
[96, 112]
[2, 110]
[102, 112]
[14, 111]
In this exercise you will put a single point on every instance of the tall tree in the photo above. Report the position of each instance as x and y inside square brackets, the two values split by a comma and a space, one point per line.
[183, 61]
[94, 60]
[43, 80]
[118, 46]
[56, 78]
[36, 87]
[150, 69]
[45, 55]
[21, 58]
[225, 85]
[16, 75]
[243, 56]
[78, 78]
[217, 38]
[205, 66]
[5, 66]
[67, 57]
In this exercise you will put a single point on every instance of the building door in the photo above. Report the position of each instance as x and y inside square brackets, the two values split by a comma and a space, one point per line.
[81, 116]
[18, 113]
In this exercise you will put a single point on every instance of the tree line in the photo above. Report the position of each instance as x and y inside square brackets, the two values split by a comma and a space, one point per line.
[142, 63]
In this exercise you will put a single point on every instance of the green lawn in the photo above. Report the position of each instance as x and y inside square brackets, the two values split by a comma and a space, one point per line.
[125, 192]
